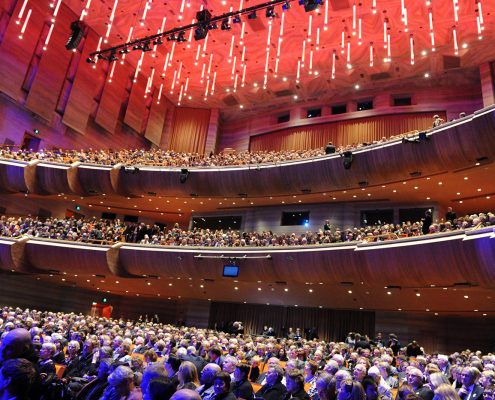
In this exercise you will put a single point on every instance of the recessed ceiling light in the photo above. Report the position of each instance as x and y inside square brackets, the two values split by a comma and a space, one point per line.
[466, 296]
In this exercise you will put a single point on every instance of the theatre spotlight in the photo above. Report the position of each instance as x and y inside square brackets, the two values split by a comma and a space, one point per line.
[236, 19]
[347, 159]
[200, 32]
[90, 60]
[124, 51]
[158, 41]
[147, 47]
[270, 12]
[225, 25]
[252, 15]
[181, 37]
[203, 16]
[311, 5]
[113, 57]
[137, 46]
[213, 26]
[286, 6]
[423, 137]
[171, 37]
[184, 174]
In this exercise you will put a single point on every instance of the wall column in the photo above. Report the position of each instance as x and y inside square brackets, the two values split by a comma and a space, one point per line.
[487, 76]
[213, 130]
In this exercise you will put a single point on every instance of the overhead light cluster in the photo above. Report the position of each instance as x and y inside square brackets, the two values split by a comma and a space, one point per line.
[205, 23]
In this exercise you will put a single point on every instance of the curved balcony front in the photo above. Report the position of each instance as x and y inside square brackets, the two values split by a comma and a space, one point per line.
[453, 146]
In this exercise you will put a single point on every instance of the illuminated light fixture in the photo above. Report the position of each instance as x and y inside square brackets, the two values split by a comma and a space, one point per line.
[236, 19]
[270, 12]
[171, 37]
[138, 46]
[213, 26]
[113, 57]
[286, 6]
[252, 15]
[124, 51]
[158, 41]
[225, 25]
[90, 60]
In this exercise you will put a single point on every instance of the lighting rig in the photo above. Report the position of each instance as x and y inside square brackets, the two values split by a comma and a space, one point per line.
[205, 23]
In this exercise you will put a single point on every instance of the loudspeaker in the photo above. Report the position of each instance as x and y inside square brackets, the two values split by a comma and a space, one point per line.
[184, 174]
[347, 159]
[76, 36]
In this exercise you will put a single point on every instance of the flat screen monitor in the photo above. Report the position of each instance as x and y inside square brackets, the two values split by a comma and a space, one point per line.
[231, 271]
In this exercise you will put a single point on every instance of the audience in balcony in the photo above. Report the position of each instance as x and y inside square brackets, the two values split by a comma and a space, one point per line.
[102, 231]
[168, 158]
[22, 368]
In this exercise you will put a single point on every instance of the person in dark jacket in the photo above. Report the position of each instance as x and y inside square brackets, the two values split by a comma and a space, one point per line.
[241, 387]
[221, 387]
[295, 386]
[273, 389]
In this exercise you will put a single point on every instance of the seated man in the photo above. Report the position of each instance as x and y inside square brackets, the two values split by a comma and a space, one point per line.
[17, 377]
[295, 386]
[273, 389]
[415, 380]
[470, 390]
[206, 390]
[241, 387]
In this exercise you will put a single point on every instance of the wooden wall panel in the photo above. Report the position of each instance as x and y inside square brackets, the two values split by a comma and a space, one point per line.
[111, 100]
[213, 131]
[154, 128]
[441, 333]
[81, 103]
[47, 84]
[487, 76]
[17, 53]
[136, 107]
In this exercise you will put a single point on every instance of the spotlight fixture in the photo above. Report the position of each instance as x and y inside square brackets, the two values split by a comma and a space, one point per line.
[203, 16]
[347, 159]
[113, 57]
[124, 51]
[171, 37]
[270, 12]
[286, 6]
[310, 5]
[137, 46]
[252, 15]
[181, 37]
[90, 60]
[213, 26]
[236, 19]
[225, 25]
[158, 41]
[184, 174]
[200, 32]
[147, 47]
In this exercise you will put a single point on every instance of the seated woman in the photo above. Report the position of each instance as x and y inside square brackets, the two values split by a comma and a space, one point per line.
[188, 376]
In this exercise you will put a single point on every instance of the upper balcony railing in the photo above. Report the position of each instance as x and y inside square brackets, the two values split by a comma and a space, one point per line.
[454, 145]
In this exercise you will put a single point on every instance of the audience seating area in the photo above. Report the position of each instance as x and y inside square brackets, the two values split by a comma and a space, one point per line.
[61, 355]
[102, 231]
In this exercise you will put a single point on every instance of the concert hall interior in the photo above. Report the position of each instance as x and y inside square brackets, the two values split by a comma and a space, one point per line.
[340, 153]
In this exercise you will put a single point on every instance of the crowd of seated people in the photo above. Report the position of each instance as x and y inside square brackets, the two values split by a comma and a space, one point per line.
[47, 355]
[168, 158]
[106, 231]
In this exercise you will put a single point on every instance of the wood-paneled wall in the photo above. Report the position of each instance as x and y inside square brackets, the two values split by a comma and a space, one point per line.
[236, 132]
[332, 325]
[72, 104]
[443, 333]
[27, 291]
